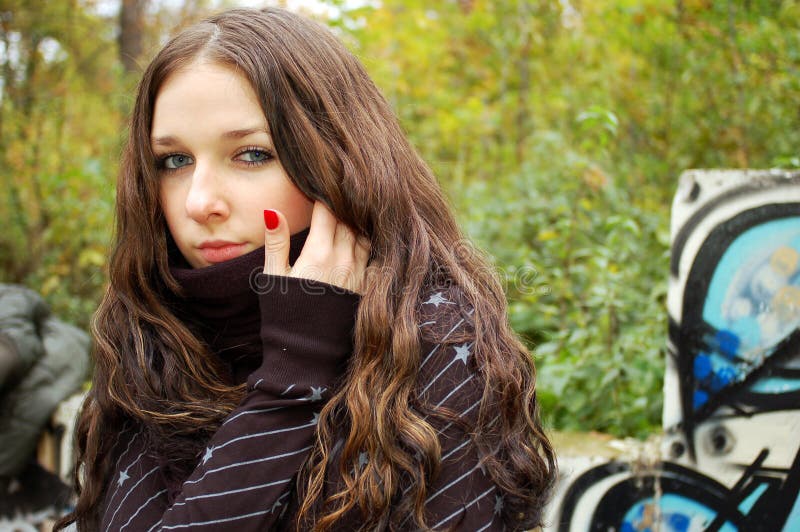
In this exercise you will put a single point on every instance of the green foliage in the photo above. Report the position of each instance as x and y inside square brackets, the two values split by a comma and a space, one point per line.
[558, 128]
[60, 124]
[585, 272]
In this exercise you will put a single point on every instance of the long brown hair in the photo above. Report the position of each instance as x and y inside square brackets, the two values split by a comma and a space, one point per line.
[340, 142]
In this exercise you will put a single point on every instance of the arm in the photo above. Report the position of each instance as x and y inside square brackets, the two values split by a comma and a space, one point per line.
[242, 479]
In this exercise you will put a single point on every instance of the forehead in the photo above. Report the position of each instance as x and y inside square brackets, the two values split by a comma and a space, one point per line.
[205, 95]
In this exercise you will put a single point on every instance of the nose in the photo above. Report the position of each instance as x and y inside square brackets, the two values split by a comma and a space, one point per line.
[206, 200]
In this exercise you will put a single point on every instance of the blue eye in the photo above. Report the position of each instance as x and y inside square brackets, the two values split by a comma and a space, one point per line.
[173, 162]
[255, 156]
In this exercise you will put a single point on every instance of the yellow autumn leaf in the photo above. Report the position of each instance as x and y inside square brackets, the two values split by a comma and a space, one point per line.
[90, 257]
[546, 234]
[50, 284]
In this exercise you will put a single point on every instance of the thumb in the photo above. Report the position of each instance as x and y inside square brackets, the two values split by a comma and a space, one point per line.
[276, 243]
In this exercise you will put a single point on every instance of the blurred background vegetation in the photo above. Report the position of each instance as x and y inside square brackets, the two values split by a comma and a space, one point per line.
[557, 127]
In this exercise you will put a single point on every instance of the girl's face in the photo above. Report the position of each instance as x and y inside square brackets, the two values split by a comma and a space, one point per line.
[217, 165]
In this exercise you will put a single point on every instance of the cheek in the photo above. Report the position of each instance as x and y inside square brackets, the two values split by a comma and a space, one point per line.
[299, 208]
[169, 200]
[283, 195]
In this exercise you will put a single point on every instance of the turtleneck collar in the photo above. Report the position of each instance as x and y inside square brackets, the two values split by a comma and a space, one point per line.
[220, 305]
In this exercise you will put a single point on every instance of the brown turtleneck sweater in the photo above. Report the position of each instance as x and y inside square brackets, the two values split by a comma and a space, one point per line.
[289, 340]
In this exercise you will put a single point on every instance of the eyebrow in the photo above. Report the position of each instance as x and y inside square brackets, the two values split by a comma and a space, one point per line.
[169, 140]
[240, 133]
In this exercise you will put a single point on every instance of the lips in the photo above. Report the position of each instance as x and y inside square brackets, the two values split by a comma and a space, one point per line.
[220, 251]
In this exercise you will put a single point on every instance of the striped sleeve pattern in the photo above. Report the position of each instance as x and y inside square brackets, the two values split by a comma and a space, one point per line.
[242, 480]
[463, 496]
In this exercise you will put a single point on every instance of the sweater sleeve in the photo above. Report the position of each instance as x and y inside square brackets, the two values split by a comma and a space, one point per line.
[462, 496]
[243, 478]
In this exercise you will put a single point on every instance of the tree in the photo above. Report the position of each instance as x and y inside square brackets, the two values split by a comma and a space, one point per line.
[131, 33]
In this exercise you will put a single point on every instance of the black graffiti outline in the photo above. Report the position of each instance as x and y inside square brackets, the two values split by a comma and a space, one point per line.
[759, 184]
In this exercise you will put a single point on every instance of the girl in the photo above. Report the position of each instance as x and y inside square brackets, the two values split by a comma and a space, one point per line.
[292, 337]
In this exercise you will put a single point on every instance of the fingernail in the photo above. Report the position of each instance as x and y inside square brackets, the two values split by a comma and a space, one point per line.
[270, 219]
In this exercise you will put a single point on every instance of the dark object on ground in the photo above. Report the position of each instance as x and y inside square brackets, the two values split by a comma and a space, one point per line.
[43, 360]
[33, 491]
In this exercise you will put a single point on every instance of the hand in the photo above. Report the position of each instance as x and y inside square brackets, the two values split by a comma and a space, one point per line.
[332, 253]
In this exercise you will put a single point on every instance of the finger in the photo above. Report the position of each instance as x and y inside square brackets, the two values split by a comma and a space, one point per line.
[361, 253]
[345, 258]
[276, 243]
[323, 226]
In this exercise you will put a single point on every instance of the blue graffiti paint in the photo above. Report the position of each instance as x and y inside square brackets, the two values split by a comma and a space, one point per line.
[675, 513]
[737, 274]
[775, 385]
[699, 399]
[793, 522]
[748, 331]
[678, 522]
[746, 505]
[702, 366]
[723, 378]
[728, 342]
[750, 308]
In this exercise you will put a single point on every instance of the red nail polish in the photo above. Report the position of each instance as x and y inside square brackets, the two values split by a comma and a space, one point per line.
[270, 219]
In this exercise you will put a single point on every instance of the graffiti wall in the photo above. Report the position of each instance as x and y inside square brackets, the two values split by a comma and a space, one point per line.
[730, 452]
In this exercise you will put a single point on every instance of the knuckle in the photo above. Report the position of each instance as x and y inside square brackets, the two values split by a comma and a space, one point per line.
[272, 246]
